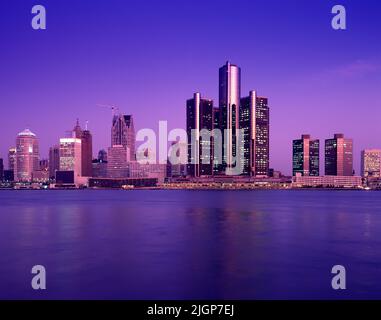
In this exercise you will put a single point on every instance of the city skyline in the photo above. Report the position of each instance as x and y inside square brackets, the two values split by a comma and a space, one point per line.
[306, 86]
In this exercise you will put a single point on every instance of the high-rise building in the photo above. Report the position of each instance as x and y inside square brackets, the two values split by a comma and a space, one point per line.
[371, 163]
[54, 161]
[339, 156]
[87, 149]
[1, 170]
[262, 137]
[87, 153]
[254, 122]
[123, 133]
[118, 158]
[229, 101]
[247, 123]
[27, 156]
[12, 159]
[199, 131]
[305, 156]
[71, 156]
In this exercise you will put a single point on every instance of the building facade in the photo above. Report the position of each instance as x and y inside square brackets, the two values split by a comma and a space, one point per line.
[27, 156]
[54, 161]
[71, 156]
[305, 156]
[123, 133]
[371, 163]
[339, 156]
[200, 125]
[229, 101]
[118, 158]
[12, 159]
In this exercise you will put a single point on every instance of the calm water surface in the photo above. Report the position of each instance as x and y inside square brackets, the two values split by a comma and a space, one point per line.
[190, 244]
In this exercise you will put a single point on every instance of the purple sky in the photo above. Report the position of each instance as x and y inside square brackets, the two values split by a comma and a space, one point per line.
[148, 57]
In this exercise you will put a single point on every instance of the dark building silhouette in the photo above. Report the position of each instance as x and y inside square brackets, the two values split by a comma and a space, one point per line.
[339, 156]
[9, 176]
[54, 161]
[200, 122]
[1, 169]
[305, 156]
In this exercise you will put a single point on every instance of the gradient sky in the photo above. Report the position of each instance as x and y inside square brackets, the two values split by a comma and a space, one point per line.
[148, 57]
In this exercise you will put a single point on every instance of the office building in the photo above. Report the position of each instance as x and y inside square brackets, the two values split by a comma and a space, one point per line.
[54, 161]
[100, 165]
[71, 156]
[118, 158]
[1, 170]
[123, 133]
[86, 148]
[229, 101]
[199, 131]
[371, 163]
[305, 156]
[12, 159]
[27, 156]
[339, 156]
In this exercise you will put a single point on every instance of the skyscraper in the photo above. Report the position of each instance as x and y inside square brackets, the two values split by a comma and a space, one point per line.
[87, 153]
[229, 101]
[247, 122]
[254, 121]
[54, 161]
[87, 149]
[262, 137]
[339, 156]
[305, 156]
[371, 163]
[12, 159]
[71, 156]
[123, 133]
[200, 124]
[27, 156]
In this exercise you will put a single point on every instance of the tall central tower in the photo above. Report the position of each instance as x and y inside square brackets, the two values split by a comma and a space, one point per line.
[229, 101]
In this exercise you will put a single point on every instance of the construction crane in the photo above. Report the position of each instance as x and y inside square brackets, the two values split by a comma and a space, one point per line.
[114, 109]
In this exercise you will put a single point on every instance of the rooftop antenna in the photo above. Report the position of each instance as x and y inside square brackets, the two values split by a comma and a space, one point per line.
[87, 125]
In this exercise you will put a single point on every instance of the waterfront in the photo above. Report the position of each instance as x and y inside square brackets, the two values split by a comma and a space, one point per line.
[179, 244]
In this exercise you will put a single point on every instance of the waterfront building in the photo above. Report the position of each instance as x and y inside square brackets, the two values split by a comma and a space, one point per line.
[199, 131]
[371, 163]
[339, 156]
[1, 170]
[86, 149]
[54, 161]
[305, 156]
[100, 165]
[353, 182]
[254, 122]
[150, 170]
[27, 156]
[123, 133]
[229, 101]
[118, 159]
[71, 156]
[12, 159]
[8, 176]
